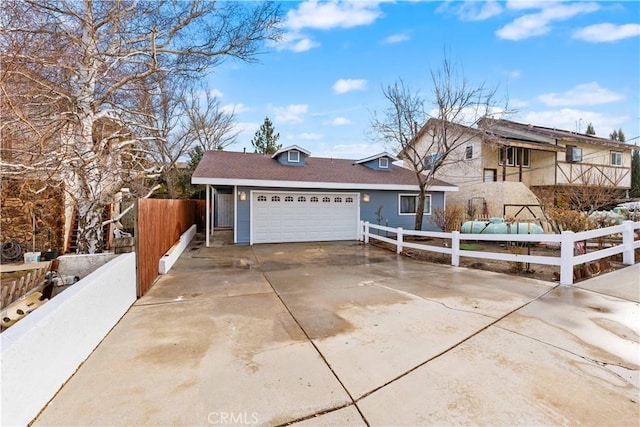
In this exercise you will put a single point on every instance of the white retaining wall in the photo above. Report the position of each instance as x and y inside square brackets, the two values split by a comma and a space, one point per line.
[168, 259]
[40, 352]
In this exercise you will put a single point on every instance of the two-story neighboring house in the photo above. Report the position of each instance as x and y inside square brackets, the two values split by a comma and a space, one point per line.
[502, 162]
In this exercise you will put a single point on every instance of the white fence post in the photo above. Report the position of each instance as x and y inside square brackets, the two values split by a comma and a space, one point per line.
[566, 258]
[366, 232]
[455, 248]
[360, 225]
[627, 242]
[399, 244]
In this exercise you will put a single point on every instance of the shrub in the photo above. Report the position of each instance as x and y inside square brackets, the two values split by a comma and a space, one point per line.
[448, 219]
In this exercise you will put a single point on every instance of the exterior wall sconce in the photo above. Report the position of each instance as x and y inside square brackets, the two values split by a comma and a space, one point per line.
[242, 195]
[365, 198]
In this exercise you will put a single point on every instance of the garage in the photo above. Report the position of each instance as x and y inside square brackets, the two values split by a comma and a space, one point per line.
[303, 216]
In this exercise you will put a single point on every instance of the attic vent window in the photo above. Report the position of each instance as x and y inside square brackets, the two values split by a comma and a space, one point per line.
[293, 156]
[468, 152]
[383, 163]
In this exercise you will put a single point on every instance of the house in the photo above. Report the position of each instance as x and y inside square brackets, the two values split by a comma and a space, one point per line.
[294, 197]
[506, 164]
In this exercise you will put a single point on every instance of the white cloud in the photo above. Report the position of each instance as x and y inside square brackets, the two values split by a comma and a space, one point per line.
[338, 121]
[234, 108]
[396, 38]
[518, 103]
[327, 15]
[607, 32]
[570, 119]
[478, 11]
[528, 4]
[216, 93]
[292, 113]
[537, 24]
[347, 85]
[304, 136]
[246, 130]
[296, 42]
[582, 94]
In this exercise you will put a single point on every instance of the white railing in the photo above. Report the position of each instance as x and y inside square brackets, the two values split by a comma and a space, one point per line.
[567, 239]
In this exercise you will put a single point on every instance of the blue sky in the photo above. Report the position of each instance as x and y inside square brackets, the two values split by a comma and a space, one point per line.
[562, 64]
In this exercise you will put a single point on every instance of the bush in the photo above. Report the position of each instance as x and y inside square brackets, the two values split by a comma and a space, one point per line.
[570, 220]
[448, 219]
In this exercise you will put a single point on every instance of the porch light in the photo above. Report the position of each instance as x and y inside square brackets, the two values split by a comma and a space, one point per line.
[365, 198]
[243, 196]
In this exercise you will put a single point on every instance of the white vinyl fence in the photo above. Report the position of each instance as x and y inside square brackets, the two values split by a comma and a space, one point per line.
[567, 240]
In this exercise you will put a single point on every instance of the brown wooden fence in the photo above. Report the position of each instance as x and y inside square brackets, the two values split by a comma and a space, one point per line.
[159, 224]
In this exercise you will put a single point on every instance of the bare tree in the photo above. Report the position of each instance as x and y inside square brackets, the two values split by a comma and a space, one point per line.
[208, 124]
[85, 62]
[450, 125]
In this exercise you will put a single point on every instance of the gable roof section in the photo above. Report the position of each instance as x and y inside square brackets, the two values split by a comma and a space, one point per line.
[289, 148]
[258, 170]
[377, 156]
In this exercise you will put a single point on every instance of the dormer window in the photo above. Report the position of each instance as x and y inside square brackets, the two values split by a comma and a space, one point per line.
[293, 156]
[383, 163]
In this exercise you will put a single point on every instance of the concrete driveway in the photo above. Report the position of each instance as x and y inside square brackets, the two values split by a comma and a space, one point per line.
[346, 334]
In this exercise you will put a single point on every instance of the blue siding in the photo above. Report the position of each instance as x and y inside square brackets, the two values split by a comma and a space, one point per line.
[283, 158]
[375, 164]
[387, 199]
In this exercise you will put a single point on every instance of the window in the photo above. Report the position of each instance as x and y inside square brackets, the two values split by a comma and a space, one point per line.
[314, 199]
[616, 158]
[293, 156]
[468, 152]
[275, 198]
[383, 163]
[302, 199]
[262, 198]
[513, 156]
[338, 199]
[430, 160]
[349, 200]
[574, 154]
[408, 204]
[288, 199]
[326, 199]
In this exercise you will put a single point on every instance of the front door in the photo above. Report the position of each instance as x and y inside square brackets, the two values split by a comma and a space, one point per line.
[224, 210]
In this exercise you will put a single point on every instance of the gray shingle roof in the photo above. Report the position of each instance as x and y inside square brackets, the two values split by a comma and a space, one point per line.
[220, 167]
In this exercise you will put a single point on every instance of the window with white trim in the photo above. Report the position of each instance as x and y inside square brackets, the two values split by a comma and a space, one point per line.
[349, 200]
[513, 156]
[262, 198]
[326, 199]
[616, 158]
[302, 199]
[337, 199]
[275, 198]
[383, 163]
[293, 156]
[288, 199]
[314, 199]
[408, 204]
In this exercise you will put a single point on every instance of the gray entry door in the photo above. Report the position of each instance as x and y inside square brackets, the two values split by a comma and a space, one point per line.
[224, 210]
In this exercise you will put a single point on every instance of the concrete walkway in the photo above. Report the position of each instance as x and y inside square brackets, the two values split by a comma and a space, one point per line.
[345, 334]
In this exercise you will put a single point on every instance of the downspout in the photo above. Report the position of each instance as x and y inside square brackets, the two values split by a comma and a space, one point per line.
[207, 219]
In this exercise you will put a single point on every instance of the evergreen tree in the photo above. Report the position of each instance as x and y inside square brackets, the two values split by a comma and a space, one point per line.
[590, 130]
[265, 141]
[617, 135]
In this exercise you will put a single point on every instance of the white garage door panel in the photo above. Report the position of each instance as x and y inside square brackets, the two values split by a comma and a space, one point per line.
[306, 218]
